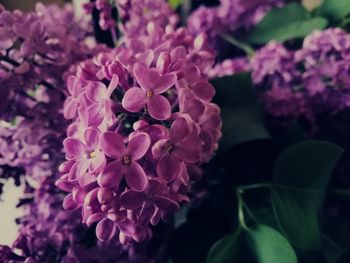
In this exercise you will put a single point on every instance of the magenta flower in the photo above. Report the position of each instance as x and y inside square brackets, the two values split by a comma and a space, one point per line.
[171, 152]
[125, 163]
[70, 107]
[87, 156]
[152, 85]
[157, 194]
[155, 132]
[99, 95]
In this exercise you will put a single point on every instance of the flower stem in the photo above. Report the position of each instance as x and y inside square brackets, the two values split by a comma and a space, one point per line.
[241, 219]
[243, 46]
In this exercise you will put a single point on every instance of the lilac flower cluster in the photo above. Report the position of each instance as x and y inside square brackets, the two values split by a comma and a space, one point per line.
[307, 82]
[31, 144]
[50, 234]
[137, 14]
[37, 49]
[229, 67]
[143, 123]
[106, 21]
[230, 17]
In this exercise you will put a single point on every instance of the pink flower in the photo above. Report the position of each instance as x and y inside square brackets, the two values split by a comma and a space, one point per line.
[99, 103]
[156, 194]
[178, 148]
[152, 85]
[87, 156]
[125, 160]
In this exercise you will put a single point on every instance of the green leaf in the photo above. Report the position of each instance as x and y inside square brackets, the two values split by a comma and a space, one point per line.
[264, 245]
[240, 111]
[301, 175]
[289, 22]
[225, 250]
[269, 246]
[175, 3]
[334, 9]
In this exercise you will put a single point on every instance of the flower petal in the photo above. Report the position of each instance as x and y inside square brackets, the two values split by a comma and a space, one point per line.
[96, 91]
[68, 203]
[168, 167]
[159, 107]
[112, 85]
[105, 230]
[70, 108]
[64, 184]
[165, 82]
[105, 195]
[112, 144]
[94, 218]
[111, 175]
[95, 114]
[160, 148]
[134, 99]
[135, 177]
[179, 130]
[92, 137]
[138, 145]
[131, 199]
[87, 179]
[127, 227]
[204, 90]
[166, 203]
[98, 162]
[78, 170]
[145, 76]
[188, 151]
[74, 148]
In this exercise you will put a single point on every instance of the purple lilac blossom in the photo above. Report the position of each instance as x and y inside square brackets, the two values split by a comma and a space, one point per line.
[307, 82]
[135, 16]
[50, 234]
[37, 51]
[36, 48]
[230, 17]
[143, 123]
[325, 55]
[106, 21]
[229, 67]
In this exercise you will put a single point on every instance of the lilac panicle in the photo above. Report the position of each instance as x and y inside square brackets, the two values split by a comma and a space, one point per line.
[307, 82]
[37, 51]
[142, 124]
[230, 17]
[136, 15]
[229, 67]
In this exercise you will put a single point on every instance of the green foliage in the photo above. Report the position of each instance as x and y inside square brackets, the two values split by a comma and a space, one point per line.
[269, 246]
[334, 10]
[226, 249]
[240, 111]
[175, 3]
[301, 175]
[265, 244]
[289, 22]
